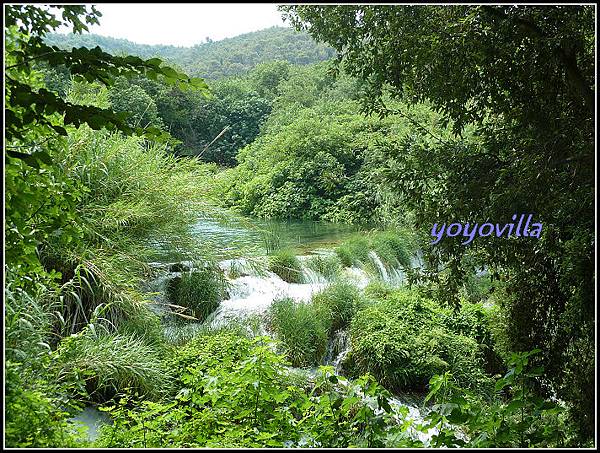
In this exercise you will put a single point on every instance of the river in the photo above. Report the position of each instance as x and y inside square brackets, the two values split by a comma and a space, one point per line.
[242, 244]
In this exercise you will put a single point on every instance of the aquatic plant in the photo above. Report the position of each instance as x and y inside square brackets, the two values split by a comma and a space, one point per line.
[329, 266]
[337, 304]
[286, 265]
[301, 330]
[107, 363]
[199, 291]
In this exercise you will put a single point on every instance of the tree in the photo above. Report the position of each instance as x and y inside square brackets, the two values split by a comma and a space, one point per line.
[132, 99]
[26, 106]
[37, 118]
[521, 77]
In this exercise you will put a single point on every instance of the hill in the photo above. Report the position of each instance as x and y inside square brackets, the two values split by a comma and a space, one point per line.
[216, 59]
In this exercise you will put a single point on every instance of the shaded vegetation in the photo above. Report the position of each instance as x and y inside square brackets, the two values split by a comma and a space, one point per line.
[456, 113]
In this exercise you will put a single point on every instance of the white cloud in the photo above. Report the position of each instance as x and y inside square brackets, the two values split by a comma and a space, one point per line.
[183, 24]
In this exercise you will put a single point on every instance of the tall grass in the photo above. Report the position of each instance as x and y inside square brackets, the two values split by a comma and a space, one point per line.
[337, 304]
[301, 330]
[109, 363]
[200, 291]
[28, 323]
[135, 195]
[270, 239]
[286, 265]
[329, 266]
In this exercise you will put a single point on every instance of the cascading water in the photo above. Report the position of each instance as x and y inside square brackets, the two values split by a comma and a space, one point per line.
[252, 290]
[379, 266]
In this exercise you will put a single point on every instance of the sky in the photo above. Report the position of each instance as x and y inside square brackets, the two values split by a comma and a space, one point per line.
[183, 24]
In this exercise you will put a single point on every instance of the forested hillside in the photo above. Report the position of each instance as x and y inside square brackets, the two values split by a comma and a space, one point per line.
[216, 59]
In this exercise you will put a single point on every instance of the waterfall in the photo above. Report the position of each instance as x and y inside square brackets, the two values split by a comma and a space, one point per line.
[311, 277]
[343, 345]
[379, 265]
[253, 294]
[337, 349]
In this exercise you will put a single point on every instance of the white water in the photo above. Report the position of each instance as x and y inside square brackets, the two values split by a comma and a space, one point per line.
[252, 290]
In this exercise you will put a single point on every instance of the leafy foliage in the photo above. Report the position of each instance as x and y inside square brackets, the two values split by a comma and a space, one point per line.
[522, 79]
[29, 105]
[404, 339]
[249, 404]
[33, 417]
[523, 419]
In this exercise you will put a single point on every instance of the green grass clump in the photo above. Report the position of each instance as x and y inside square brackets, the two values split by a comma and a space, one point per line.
[337, 304]
[329, 266]
[392, 247]
[302, 330]
[405, 339]
[377, 289]
[199, 291]
[353, 251]
[286, 265]
[110, 363]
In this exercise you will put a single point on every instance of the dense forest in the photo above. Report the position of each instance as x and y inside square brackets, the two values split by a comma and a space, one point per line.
[213, 59]
[234, 244]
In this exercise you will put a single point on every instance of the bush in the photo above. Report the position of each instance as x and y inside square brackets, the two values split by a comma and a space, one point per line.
[286, 265]
[338, 303]
[302, 330]
[252, 402]
[33, 414]
[527, 419]
[403, 341]
[200, 291]
[207, 350]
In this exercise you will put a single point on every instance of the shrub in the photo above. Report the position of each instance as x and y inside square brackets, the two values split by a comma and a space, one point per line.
[527, 419]
[33, 414]
[200, 291]
[302, 330]
[403, 341]
[207, 350]
[252, 402]
[286, 265]
[338, 303]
